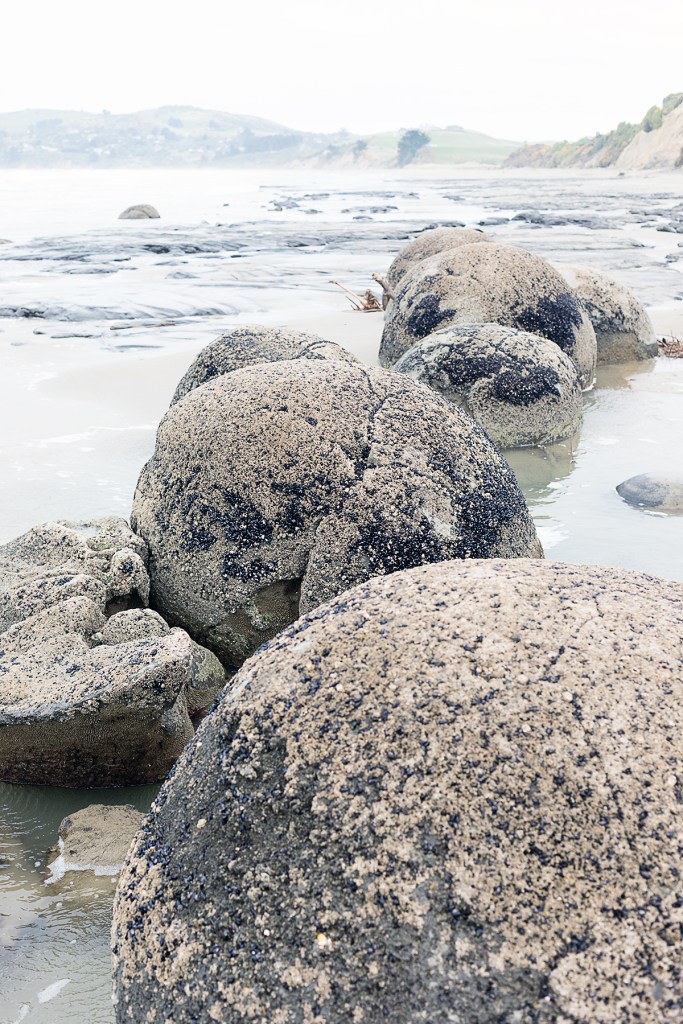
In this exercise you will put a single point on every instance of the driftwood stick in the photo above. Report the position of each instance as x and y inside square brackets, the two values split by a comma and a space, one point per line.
[383, 285]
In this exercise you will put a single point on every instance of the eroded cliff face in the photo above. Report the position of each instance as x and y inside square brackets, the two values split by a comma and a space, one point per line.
[660, 148]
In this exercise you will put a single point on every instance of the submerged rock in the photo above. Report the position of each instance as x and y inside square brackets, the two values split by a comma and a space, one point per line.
[431, 243]
[623, 329]
[252, 345]
[658, 493]
[520, 387]
[489, 284]
[95, 839]
[142, 211]
[450, 794]
[275, 487]
[94, 691]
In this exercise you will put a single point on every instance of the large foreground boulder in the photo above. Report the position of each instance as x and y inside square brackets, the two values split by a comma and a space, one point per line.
[94, 690]
[623, 329]
[252, 345]
[452, 794]
[520, 387]
[430, 243]
[489, 284]
[275, 487]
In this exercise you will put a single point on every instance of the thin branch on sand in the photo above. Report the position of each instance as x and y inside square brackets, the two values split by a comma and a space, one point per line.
[367, 302]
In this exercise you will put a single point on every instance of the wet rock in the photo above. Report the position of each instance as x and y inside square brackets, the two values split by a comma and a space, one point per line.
[623, 330]
[94, 691]
[450, 794]
[658, 493]
[520, 387]
[430, 243]
[142, 211]
[95, 839]
[252, 345]
[489, 284]
[275, 487]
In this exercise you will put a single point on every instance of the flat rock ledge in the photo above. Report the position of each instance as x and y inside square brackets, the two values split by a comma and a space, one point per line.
[95, 688]
[453, 793]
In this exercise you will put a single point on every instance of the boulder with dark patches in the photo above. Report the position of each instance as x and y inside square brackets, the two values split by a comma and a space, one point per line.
[659, 493]
[489, 284]
[275, 487]
[623, 330]
[520, 387]
[252, 345]
[452, 794]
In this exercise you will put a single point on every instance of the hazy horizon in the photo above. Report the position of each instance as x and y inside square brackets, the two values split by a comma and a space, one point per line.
[521, 72]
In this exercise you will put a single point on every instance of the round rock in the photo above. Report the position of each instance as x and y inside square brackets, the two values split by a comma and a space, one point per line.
[141, 211]
[489, 284]
[520, 387]
[658, 493]
[623, 329]
[430, 243]
[250, 346]
[276, 487]
[452, 794]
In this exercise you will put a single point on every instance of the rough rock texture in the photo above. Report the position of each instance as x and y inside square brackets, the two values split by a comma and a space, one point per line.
[275, 487]
[659, 493]
[430, 243]
[520, 387]
[95, 839]
[142, 211]
[89, 694]
[489, 284]
[249, 346]
[623, 329]
[453, 794]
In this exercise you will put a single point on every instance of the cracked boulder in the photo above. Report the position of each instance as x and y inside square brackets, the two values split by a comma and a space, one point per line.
[520, 387]
[94, 689]
[276, 487]
[252, 345]
[451, 794]
[489, 284]
[430, 243]
[623, 329]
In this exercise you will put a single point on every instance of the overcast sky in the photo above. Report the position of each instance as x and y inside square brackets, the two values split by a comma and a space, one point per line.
[529, 69]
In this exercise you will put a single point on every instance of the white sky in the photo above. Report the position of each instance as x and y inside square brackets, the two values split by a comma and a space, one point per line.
[524, 69]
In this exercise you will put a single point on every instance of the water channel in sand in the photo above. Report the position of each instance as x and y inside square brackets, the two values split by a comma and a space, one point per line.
[88, 371]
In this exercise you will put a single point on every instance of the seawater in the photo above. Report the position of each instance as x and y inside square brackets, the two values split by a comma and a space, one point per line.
[99, 318]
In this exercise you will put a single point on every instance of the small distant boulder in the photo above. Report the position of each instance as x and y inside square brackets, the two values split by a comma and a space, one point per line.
[487, 284]
[142, 211]
[658, 493]
[520, 387]
[94, 839]
[252, 345]
[623, 329]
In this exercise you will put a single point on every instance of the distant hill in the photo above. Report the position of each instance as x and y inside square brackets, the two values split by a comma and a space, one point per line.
[192, 137]
[656, 142]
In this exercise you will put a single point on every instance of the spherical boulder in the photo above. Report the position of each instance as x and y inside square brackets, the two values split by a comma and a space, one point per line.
[623, 330]
[275, 487]
[249, 346]
[141, 211]
[657, 493]
[489, 284]
[430, 243]
[452, 794]
[520, 387]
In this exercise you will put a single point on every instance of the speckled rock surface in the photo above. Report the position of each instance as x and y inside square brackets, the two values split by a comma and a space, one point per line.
[489, 284]
[430, 243]
[520, 387]
[452, 794]
[658, 493]
[275, 487]
[249, 346]
[90, 695]
[623, 329]
[94, 839]
[141, 211]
